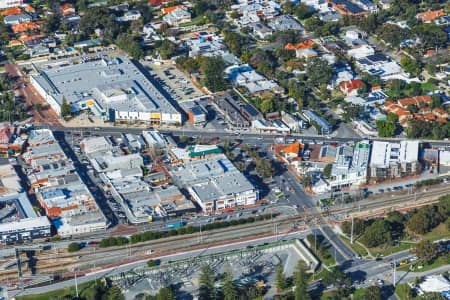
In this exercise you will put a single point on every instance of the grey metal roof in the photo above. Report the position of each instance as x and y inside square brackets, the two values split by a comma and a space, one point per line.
[113, 82]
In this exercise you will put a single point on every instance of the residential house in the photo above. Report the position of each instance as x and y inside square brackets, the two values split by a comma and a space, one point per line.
[131, 15]
[260, 30]
[361, 52]
[67, 9]
[347, 8]
[17, 19]
[350, 88]
[367, 5]
[177, 16]
[11, 6]
[286, 22]
[429, 16]
[312, 117]
[24, 27]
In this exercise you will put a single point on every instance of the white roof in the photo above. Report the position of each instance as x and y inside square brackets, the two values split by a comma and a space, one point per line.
[436, 283]
[24, 224]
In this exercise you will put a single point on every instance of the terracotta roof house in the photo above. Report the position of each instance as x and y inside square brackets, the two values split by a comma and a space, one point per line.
[67, 9]
[307, 44]
[440, 113]
[24, 27]
[415, 100]
[351, 87]
[167, 10]
[12, 11]
[293, 150]
[430, 15]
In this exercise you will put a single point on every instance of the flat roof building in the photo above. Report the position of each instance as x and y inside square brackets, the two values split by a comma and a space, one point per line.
[215, 183]
[390, 160]
[350, 166]
[113, 88]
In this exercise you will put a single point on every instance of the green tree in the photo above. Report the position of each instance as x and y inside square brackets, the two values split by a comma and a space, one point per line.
[301, 282]
[319, 71]
[280, 279]
[409, 65]
[386, 128]
[165, 293]
[424, 220]
[73, 247]
[327, 170]
[426, 250]
[212, 68]
[266, 106]
[114, 293]
[378, 233]
[228, 288]
[373, 293]
[65, 108]
[152, 263]
[336, 277]
[207, 280]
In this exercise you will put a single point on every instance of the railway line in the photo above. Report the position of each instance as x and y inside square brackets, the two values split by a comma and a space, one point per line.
[92, 257]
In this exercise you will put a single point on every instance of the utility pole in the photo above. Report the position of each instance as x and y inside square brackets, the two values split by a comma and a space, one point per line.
[351, 235]
[76, 283]
[395, 268]
[315, 242]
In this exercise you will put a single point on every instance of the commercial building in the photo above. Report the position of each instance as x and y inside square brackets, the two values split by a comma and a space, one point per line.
[228, 105]
[350, 166]
[19, 222]
[112, 88]
[154, 138]
[215, 183]
[59, 188]
[393, 160]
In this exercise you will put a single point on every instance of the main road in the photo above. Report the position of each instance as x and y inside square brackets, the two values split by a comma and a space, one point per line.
[248, 136]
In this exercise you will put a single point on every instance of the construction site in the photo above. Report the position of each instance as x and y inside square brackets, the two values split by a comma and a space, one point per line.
[248, 266]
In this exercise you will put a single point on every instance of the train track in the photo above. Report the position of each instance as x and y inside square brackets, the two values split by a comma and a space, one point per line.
[48, 262]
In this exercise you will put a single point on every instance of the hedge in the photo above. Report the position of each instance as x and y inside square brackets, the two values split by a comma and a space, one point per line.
[155, 235]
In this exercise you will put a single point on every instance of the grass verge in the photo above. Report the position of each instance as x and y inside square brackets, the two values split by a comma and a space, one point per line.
[57, 294]
[355, 247]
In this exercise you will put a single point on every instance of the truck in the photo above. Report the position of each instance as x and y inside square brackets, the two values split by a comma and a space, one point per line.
[175, 225]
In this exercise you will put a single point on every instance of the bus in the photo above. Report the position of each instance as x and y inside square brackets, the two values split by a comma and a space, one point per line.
[175, 225]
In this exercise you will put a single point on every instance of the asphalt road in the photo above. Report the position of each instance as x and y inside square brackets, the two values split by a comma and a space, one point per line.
[247, 136]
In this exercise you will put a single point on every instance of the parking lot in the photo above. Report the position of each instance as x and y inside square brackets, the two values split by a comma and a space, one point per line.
[173, 81]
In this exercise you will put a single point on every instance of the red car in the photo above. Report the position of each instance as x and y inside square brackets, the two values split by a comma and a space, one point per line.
[229, 210]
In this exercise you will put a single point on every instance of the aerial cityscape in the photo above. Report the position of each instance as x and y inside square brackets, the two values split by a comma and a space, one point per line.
[224, 149]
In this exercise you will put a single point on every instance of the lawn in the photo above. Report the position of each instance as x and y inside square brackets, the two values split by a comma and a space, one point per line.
[391, 250]
[327, 262]
[57, 294]
[356, 247]
[428, 87]
[199, 20]
[400, 291]
[438, 233]
[318, 275]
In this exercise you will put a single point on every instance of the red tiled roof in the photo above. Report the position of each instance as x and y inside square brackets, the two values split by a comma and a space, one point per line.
[12, 11]
[167, 10]
[351, 85]
[430, 15]
[22, 27]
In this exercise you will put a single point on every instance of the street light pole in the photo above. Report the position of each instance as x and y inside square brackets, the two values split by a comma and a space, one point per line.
[351, 235]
